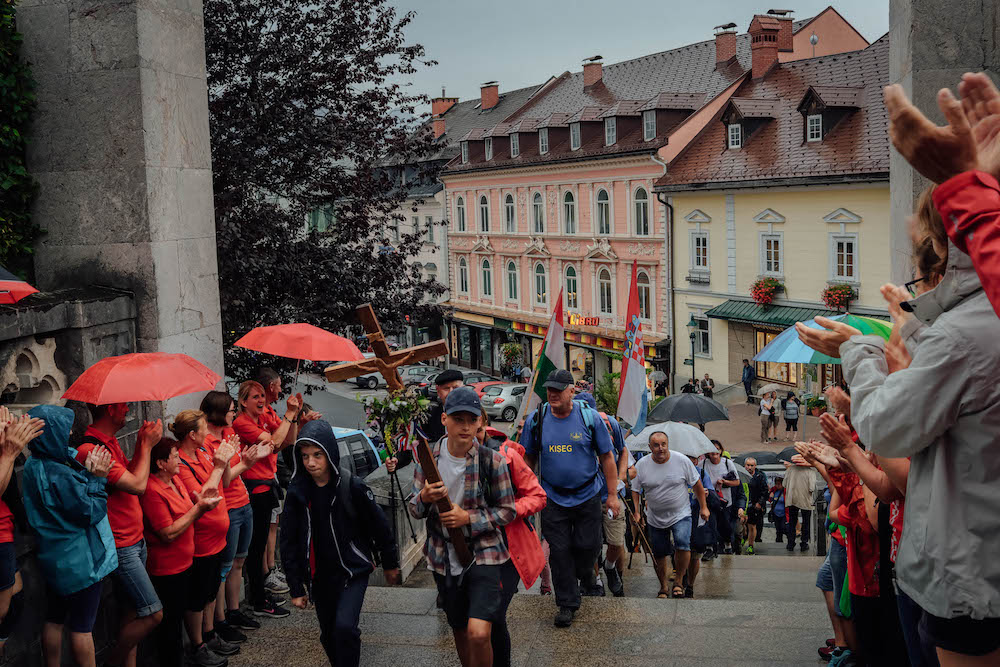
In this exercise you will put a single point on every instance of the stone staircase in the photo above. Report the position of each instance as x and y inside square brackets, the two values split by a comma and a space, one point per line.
[749, 611]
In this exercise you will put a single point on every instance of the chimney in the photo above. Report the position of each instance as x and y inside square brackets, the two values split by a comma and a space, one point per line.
[593, 70]
[784, 17]
[489, 92]
[763, 44]
[440, 105]
[725, 43]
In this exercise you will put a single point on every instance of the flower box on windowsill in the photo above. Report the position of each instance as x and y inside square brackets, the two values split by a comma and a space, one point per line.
[697, 278]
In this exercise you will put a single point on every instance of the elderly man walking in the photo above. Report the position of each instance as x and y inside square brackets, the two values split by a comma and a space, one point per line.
[575, 459]
[757, 501]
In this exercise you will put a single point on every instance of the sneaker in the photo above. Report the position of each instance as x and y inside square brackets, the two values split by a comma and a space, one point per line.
[595, 591]
[564, 618]
[760, 539]
[791, 546]
[841, 659]
[270, 609]
[205, 657]
[544, 590]
[615, 583]
[832, 643]
[220, 646]
[276, 601]
[826, 653]
[804, 547]
[237, 619]
[229, 633]
[709, 555]
[728, 551]
[688, 592]
[275, 585]
[749, 550]
[779, 539]
[280, 575]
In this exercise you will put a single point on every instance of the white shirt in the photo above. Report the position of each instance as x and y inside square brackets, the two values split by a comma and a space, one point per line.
[666, 486]
[716, 472]
[453, 475]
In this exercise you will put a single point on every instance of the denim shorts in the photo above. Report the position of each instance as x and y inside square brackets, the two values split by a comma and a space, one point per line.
[238, 538]
[132, 581]
[8, 565]
[824, 578]
[659, 538]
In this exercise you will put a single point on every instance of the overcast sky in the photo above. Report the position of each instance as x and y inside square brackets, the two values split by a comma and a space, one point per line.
[522, 42]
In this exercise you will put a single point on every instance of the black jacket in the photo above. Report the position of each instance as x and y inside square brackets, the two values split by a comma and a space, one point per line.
[354, 538]
[758, 488]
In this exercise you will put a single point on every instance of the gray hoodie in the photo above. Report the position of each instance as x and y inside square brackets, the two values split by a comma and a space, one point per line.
[944, 412]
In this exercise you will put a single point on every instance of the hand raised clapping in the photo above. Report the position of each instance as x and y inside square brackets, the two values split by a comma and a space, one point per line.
[207, 499]
[18, 433]
[225, 452]
[98, 462]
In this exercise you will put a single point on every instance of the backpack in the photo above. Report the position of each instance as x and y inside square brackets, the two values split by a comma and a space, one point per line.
[588, 414]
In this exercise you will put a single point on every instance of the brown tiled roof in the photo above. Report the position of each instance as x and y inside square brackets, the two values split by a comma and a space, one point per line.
[557, 119]
[678, 101]
[624, 108]
[497, 130]
[836, 96]
[856, 147]
[754, 108]
[766, 22]
[473, 134]
[587, 114]
[524, 125]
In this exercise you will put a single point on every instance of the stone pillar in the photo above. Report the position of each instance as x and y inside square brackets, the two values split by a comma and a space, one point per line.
[931, 45]
[120, 148]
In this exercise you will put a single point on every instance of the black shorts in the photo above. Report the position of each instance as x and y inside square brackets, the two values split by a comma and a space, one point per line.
[476, 594]
[963, 634]
[755, 515]
[791, 424]
[77, 611]
[203, 584]
[8, 565]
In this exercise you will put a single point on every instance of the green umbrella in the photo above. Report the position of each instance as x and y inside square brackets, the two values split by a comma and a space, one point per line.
[787, 348]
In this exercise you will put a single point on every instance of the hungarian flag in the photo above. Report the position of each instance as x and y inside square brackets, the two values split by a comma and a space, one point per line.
[550, 357]
[632, 392]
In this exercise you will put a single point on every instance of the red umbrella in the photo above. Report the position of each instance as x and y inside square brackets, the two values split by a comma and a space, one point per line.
[146, 376]
[12, 288]
[301, 341]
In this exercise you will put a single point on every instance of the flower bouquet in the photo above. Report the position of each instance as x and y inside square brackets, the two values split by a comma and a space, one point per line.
[763, 290]
[396, 416]
[838, 297]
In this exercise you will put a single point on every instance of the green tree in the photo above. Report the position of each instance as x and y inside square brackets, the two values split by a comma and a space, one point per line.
[606, 392]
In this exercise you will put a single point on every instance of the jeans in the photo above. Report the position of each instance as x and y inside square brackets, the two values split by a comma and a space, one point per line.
[338, 608]
[838, 569]
[922, 654]
[238, 538]
[499, 634]
[735, 528]
[261, 504]
[748, 387]
[664, 541]
[793, 518]
[133, 580]
[574, 536]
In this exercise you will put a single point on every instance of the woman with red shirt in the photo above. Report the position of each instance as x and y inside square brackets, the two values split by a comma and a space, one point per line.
[219, 411]
[254, 428]
[168, 515]
[202, 470]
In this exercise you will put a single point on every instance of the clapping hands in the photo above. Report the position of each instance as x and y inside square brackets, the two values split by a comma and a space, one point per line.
[98, 462]
[225, 452]
[16, 433]
[207, 499]
[836, 431]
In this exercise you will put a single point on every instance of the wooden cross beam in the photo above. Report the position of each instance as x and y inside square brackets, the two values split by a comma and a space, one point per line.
[387, 363]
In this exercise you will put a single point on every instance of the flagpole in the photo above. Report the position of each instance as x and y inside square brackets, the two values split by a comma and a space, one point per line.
[522, 411]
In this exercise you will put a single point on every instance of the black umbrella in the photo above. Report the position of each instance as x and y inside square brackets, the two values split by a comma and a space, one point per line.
[762, 458]
[786, 454]
[691, 408]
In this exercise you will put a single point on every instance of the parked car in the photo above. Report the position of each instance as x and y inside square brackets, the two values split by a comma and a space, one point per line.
[481, 386]
[421, 378]
[357, 451]
[375, 380]
[471, 377]
[503, 400]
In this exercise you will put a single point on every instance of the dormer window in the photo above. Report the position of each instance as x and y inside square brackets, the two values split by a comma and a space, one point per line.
[574, 136]
[610, 131]
[735, 135]
[814, 127]
[515, 145]
[543, 141]
[489, 148]
[648, 125]
[465, 152]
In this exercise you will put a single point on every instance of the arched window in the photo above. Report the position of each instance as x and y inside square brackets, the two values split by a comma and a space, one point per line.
[569, 213]
[604, 290]
[603, 212]
[511, 281]
[538, 212]
[484, 214]
[641, 212]
[642, 287]
[572, 297]
[487, 284]
[540, 294]
[460, 213]
[508, 214]
[463, 276]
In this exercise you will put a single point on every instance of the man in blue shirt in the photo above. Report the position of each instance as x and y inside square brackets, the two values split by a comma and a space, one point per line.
[575, 459]
[749, 375]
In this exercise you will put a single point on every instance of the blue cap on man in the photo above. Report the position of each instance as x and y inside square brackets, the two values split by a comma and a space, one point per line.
[463, 399]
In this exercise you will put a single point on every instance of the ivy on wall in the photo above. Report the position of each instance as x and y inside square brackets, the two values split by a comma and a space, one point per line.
[17, 188]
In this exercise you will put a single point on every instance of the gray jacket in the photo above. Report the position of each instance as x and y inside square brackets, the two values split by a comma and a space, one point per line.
[944, 412]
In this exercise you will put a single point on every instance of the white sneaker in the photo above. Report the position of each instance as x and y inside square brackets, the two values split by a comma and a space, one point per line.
[275, 585]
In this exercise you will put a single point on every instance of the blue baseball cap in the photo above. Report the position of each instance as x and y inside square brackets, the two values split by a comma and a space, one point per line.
[463, 399]
[587, 398]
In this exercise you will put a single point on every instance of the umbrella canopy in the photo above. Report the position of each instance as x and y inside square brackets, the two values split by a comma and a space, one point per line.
[786, 454]
[787, 348]
[744, 474]
[657, 376]
[147, 376]
[768, 388]
[693, 408]
[12, 288]
[301, 341]
[683, 439]
[762, 458]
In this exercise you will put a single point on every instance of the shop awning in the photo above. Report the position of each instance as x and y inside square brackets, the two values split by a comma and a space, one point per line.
[775, 316]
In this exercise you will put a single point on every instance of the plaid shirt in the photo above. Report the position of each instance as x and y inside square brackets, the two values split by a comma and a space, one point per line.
[487, 543]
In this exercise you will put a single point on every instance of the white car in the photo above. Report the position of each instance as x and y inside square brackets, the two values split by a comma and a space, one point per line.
[375, 380]
[502, 401]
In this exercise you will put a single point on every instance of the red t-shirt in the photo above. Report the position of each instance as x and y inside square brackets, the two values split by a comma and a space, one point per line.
[161, 507]
[249, 431]
[6, 523]
[211, 528]
[862, 539]
[236, 493]
[124, 510]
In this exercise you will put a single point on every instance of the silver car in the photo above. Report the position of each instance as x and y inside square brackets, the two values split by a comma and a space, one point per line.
[504, 400]
[407, 373]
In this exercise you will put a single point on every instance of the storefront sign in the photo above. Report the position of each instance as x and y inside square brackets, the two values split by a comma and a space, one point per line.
[580, 320]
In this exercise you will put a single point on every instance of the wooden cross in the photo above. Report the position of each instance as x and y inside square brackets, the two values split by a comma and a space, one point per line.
[387, 363]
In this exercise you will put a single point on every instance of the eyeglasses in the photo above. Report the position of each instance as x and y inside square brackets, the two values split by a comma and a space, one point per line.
[910, 285]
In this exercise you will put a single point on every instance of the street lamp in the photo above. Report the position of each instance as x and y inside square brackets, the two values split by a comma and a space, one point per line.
[692, 327]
